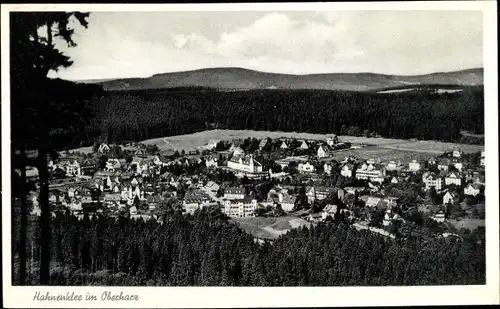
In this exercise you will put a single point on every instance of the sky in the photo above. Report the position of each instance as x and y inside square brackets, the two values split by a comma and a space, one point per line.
[140, 44]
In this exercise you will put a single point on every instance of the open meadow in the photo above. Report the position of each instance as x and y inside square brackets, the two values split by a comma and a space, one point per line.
[269, 227]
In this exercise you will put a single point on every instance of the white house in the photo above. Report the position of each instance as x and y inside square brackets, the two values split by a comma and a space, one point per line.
[234, 193]
[211, 162]
[473, 189]
[103, 148]
[431, 180]
[284, 145]
[72, 168]
[323, 152]
[347, 170]
[329, 210]
[113, 165]
[306, 168]
[450, 197]
[245, 164]
[238, 152]
[414, 166]
[453, 178]
[392, 166]
[304, 145]
[332, 140]
[373, 201]
[327, 168]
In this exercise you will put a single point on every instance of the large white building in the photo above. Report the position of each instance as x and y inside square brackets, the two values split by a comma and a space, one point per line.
[245, 164]
[371, 171]
[240, 208]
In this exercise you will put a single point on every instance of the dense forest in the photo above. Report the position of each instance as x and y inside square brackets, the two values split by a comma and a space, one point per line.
[206, 249]
[137, 115]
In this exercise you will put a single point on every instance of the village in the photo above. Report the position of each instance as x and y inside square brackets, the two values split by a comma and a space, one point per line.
[268, 178]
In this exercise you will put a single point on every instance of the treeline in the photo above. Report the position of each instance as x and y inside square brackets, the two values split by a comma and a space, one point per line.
[138, 115]
[207, 250]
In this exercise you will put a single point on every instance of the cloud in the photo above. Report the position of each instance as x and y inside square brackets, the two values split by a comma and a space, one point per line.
[407, 42]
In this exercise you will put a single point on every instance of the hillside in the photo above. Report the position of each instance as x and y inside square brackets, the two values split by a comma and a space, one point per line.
[244, 79]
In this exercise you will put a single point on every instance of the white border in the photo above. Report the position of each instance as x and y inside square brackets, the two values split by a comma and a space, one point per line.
[177, 297]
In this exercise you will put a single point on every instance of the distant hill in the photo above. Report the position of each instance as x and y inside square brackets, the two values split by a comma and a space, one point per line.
[244, 79]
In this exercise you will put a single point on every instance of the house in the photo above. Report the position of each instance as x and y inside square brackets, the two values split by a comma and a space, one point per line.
[347, 170]
[329, 211]
[211, 162]
[392, 166]
[237, 151]
[234, 193]
[453, 178]
[371, 171]
[440, 216]
[141, 153]
[133, 210]
[103, 148]
[327, 168]
[323, 151]
[354, 190]
[239, 208]
[457, 153]
[395, 180]
[473, 189]
[481, 162]
[332, 140]
[414, 166]
[306, 168]
[450, 197]
[245, 164]
[72, 168]
[284, 145]
[304, 145]
[287, 202]
[457, 164]
[389, 218]
[321, 193]
[431, 180]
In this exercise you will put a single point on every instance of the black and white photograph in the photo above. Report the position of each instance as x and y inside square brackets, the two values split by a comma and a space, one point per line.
[246, 148]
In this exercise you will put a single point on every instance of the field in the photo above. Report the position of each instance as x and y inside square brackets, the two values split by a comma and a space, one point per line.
[269, 228]
[383, 148]
[397, 149]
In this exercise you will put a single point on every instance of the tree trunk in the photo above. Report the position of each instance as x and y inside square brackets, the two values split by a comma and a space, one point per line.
[45, 234]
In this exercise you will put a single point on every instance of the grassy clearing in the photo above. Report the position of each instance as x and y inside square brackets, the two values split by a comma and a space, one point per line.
[269, 227]
[195, 140]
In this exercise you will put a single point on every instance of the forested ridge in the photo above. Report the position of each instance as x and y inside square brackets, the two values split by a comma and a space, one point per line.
[138, 115]
[206, 249]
